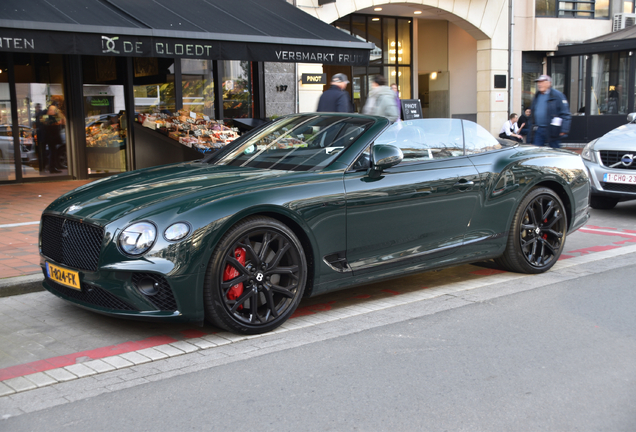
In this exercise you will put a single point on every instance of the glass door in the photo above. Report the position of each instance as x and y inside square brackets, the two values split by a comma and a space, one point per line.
[7, 146]
[104, 115]
[41, 121]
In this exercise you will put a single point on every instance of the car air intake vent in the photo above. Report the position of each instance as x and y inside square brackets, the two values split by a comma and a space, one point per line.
[156, 289]
[71, 243]
[91, 295]
[617, 187]
[617, 159]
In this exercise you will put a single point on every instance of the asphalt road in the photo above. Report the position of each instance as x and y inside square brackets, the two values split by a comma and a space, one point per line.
[559, 357]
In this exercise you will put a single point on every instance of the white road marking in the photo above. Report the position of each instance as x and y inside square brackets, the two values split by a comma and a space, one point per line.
[19, 224]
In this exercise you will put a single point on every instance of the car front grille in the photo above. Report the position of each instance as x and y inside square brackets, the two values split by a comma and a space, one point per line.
[71, 243]
[91, 295]
[618, 187]
[612, 157]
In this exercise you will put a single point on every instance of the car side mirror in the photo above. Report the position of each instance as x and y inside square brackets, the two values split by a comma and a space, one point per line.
[631, 117]
[385, 156]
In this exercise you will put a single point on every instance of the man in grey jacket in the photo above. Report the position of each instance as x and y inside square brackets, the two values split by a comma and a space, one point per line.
[381, 100]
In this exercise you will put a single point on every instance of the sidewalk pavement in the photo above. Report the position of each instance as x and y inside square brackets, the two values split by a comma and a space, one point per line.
[21, 206]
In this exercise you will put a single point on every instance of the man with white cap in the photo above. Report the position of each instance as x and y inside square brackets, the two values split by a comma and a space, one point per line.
[336, 98]
[550, 117]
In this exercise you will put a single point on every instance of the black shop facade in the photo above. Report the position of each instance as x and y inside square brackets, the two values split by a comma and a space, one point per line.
[80, 103]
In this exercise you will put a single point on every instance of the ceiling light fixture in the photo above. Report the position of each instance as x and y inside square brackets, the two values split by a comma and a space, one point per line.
[417, 12]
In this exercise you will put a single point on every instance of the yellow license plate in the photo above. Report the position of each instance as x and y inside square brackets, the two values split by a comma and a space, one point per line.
[63, 276]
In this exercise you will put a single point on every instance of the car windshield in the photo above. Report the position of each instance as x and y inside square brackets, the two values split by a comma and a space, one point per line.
[299, 143]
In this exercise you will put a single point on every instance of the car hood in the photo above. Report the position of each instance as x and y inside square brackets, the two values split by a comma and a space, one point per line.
[621, 138]
[150, 190]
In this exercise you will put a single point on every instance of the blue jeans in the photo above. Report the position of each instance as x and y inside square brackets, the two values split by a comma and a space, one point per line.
[541, 138]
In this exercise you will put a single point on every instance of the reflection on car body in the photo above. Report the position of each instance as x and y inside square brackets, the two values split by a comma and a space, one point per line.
[304, 205]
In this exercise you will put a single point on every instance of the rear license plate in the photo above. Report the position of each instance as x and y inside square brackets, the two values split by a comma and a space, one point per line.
[619, 178]
[63, 276]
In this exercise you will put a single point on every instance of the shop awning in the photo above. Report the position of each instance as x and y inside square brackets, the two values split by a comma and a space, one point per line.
[255, 30]
[622, 40]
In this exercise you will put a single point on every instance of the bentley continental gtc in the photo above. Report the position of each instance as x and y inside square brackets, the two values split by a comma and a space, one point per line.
[304, 205]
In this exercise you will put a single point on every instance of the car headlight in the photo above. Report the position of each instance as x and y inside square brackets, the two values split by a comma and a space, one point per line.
[137, 238]
[176, 231]
[588, 151]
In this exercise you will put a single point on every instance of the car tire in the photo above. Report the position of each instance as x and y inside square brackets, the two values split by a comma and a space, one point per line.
[256, 277]
[603, 203]
[537, 233]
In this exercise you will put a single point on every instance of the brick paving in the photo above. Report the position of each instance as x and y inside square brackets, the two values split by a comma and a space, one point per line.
[22, 205]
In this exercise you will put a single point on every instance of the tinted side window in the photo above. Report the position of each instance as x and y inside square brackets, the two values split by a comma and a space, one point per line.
[478, 139]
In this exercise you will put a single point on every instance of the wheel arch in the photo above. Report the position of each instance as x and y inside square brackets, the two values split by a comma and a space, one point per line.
[561, 191]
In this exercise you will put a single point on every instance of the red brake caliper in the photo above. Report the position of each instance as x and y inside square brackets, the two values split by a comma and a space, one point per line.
[545, 236]
[230, 273]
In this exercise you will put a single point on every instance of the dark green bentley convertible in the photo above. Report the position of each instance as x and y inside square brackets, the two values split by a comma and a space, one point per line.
[307, 204]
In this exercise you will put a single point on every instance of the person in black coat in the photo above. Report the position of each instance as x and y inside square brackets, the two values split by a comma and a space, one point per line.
[522, 122]
[336, 98]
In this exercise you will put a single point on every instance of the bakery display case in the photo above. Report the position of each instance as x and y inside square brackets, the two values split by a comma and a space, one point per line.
[106, 143]
[190, 129]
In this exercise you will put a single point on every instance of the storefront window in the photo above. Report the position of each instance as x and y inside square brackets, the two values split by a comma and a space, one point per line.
[375, 36]
[154, 85]
[609, 81]
[358, 26]
[391, 45]
[7, 152]
[404, 42]
[41, 114]
[531, 68]
[198, 86]
[237, 89]
[390, 58]
[105, 115]
[343, 24]
[403, 82]
[576, 95]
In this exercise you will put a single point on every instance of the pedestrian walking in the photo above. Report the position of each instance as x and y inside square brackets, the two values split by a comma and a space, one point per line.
[395, 89]
[550, 117]
[336, 98]
[381, 100]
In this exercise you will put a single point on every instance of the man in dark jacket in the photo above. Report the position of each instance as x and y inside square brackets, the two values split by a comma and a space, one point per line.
[550, 117]
[336, 98]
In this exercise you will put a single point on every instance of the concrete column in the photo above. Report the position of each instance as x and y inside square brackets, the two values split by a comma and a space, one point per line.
[493, 59]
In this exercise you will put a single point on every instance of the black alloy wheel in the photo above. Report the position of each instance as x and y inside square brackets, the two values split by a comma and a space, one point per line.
[537, 233]
[256, 277]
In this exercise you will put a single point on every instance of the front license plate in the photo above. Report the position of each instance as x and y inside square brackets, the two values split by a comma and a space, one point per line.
[619, 178]
[63, 276]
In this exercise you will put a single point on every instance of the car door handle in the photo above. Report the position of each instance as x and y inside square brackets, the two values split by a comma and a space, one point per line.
[464, 183]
